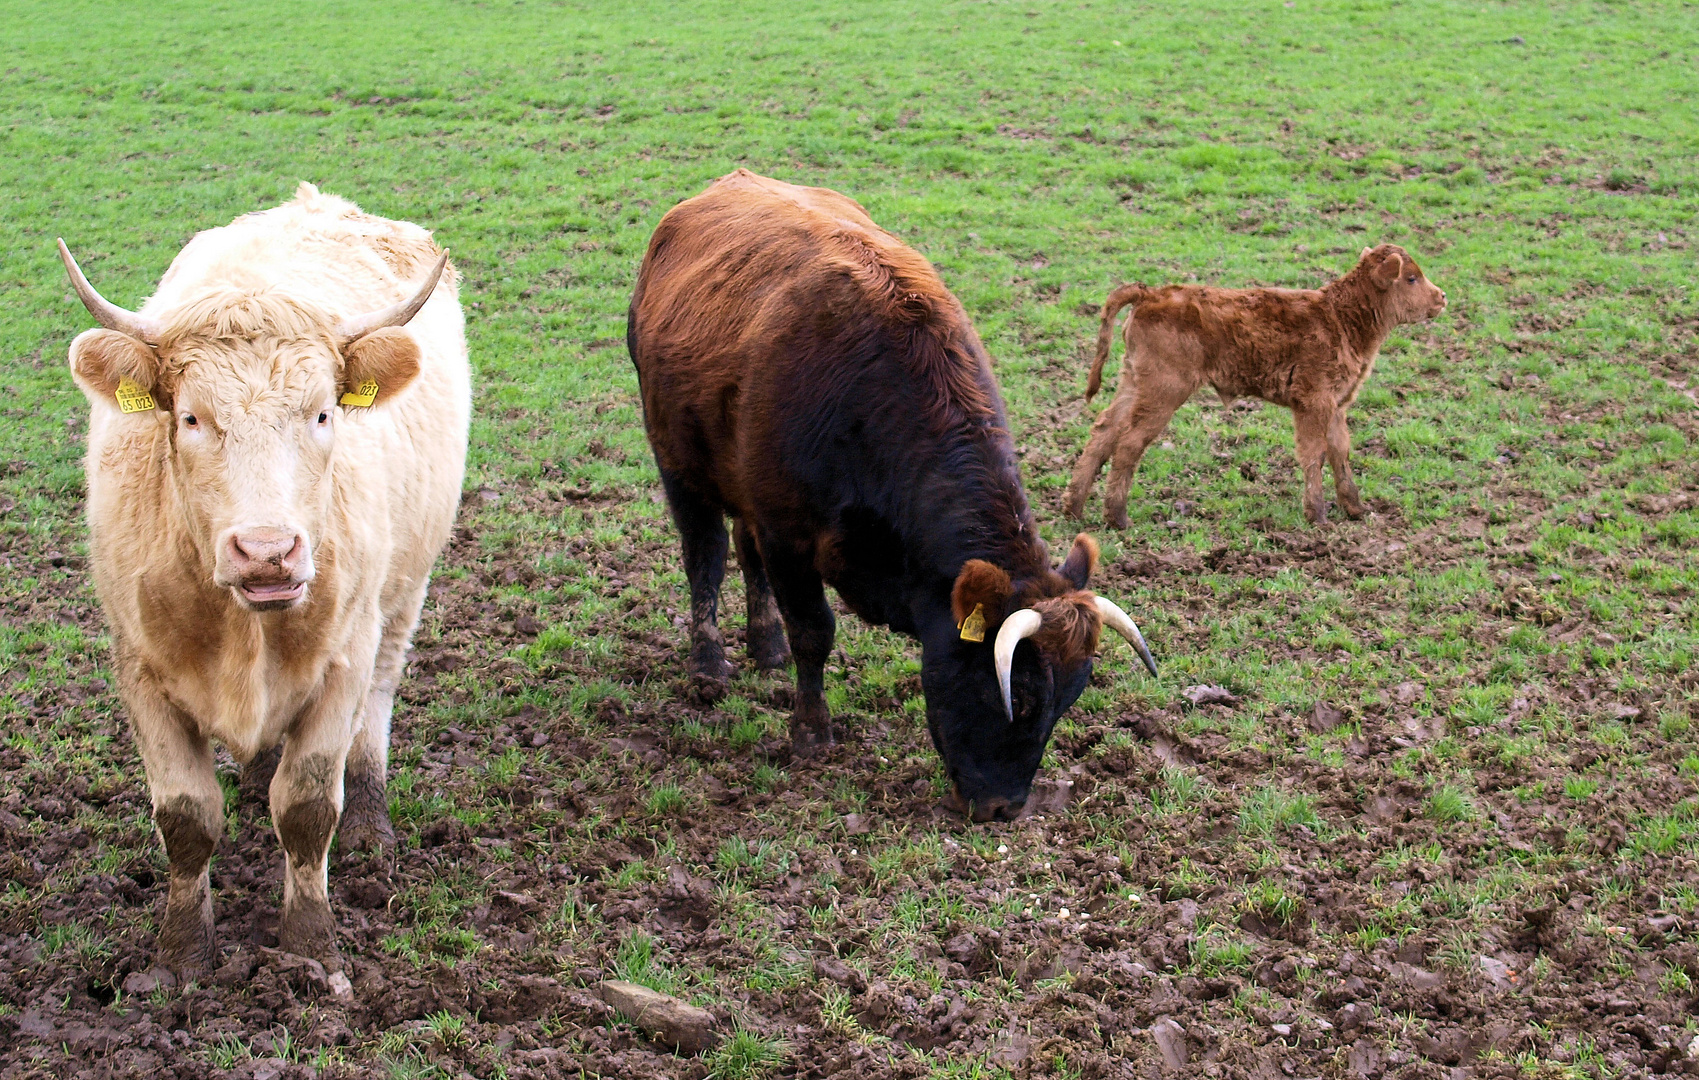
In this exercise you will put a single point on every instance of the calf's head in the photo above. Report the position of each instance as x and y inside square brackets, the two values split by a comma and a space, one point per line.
[991, 703]
[250, 390]
[1406, 294]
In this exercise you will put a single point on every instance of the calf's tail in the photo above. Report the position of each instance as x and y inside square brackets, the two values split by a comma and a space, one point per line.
[1120, 298]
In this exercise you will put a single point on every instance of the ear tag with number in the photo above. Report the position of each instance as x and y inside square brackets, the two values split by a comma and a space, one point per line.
[973, 627]
[131, 396]
[364, 396]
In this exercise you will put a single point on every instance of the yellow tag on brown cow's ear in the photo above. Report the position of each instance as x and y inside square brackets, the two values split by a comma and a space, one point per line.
[131, 396]
[364, 396]
[973, 627]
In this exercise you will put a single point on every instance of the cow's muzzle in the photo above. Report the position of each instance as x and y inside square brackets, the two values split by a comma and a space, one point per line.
[268, 568]
[990, 808]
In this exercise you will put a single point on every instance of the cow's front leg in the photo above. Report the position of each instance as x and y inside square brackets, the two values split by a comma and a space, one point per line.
[365, 824]
[306, 800]
[188, 810]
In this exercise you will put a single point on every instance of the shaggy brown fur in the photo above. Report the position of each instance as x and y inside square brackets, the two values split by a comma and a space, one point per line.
[1310, 350]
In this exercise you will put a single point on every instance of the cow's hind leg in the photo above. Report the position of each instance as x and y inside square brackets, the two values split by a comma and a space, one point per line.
[1339, 459]
[365, 824]
[1157, 395]
[188, 810]
[809, 623]
[765, 635]
[1311, 436]
[702, 533]
[1099, 446]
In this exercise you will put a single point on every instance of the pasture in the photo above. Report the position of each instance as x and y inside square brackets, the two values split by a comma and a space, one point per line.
[1448, 818]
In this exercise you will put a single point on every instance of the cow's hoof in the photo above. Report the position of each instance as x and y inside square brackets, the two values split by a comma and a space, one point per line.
[368, 835]
[706, 690]
[310, 930]
[190, 963]
[1117, 519]
[809, 741]
[1354, 511]
[770, 658]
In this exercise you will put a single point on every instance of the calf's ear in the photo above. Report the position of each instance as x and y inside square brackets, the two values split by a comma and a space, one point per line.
[1389, 270]
[980, 585]
[1081, 561]
[102, 359]
[387, 359]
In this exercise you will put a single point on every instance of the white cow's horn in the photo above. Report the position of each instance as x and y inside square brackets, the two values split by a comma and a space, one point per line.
[1022, 624]
[352, 330]
[1122, 623]
[105, 312]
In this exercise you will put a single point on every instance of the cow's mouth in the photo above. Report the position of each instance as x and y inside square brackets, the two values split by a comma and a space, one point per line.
[270, 597]
[994, 808]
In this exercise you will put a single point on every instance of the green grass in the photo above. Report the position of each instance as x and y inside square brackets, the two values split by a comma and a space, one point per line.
[1529, 457]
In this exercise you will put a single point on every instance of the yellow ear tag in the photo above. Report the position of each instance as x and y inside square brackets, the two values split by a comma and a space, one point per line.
[973, 627]
[131, 396]
[364, 396]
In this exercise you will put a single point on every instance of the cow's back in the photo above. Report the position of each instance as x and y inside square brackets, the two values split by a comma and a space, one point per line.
[805, 370]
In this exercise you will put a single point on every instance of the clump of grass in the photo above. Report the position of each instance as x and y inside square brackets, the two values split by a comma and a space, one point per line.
[1269, 901]
[1185, 880]
[1580, 788]
[1268, 809]
[1448, 804]
[666, 799]
[1215, 953]
[1179, 789]
[746, 1056]
[637, 962]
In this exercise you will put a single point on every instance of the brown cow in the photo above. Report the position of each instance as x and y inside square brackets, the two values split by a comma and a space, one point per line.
[806, 373]
[275, 453]
[1310, 350]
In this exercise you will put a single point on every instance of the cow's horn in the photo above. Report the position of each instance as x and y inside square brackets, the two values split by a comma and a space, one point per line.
[1122, 623]
[352, 330]
[105, 312]
[1022, 624]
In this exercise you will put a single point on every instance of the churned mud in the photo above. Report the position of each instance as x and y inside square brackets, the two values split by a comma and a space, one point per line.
[1185, 897]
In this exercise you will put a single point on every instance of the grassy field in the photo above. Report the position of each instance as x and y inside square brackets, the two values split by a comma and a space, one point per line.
[1450, 819]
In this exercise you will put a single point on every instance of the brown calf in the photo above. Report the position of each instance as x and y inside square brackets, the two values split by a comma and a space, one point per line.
[1307, 349]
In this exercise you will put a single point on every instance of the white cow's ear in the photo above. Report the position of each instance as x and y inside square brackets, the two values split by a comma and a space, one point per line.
[388, 357]
[102, 359]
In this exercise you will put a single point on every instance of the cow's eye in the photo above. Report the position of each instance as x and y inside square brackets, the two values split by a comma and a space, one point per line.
[190, 421]
[1411, 279]
[324, 418]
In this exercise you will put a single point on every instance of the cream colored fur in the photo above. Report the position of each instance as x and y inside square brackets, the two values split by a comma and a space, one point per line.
[248, 311]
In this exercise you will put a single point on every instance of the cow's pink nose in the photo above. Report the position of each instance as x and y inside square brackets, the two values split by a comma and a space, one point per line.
[265, 552]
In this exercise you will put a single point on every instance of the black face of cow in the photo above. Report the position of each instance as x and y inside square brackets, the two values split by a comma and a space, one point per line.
[990, 759]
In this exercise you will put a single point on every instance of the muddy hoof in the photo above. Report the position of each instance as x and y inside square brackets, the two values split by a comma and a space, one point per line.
[367, 835]
[706, 690]
[1117, 520]
[809, 739]
[192, 964]
[771, 659]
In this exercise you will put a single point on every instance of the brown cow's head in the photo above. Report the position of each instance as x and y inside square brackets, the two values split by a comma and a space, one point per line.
[991, 704]
[252, 396]
[1408, 295]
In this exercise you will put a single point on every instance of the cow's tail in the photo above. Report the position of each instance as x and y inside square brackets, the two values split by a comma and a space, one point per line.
[1120, 298]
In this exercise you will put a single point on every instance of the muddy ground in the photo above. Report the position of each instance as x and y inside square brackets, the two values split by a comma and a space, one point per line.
[555, 834]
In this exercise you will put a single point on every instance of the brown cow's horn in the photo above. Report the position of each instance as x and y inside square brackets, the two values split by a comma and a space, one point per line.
[352, 330]
[1120, 622]
[1022, 624]
[105, 312]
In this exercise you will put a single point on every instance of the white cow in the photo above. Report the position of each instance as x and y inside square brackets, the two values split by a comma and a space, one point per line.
[274, 461]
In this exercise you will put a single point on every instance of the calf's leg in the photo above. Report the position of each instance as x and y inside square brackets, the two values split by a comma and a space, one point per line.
[1311, 432]
[365, 824]
[765, 636]
[188, 810]
[702, 534]
[1339, 459]
[1104, 431]
[1157, 394]
[809, 623]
